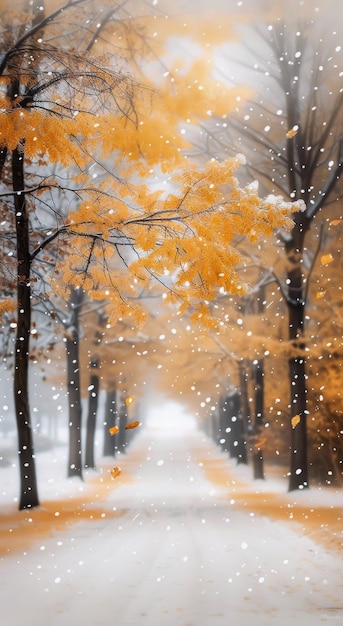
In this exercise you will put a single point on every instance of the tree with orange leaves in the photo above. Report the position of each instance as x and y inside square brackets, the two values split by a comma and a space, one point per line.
[292, 131]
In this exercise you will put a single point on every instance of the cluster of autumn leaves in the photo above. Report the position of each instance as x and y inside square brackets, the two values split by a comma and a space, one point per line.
[109, 131]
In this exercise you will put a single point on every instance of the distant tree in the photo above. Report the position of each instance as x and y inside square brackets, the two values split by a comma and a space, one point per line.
[94, 388]
[72, 342]
[110, 420]
[325, 351]
[93, 400]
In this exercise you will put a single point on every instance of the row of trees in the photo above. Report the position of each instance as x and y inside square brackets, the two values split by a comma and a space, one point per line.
[292, 132]
[89, 249]
[297, 135]
[81, 127]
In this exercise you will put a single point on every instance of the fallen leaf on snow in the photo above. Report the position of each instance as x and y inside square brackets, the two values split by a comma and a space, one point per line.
[115, 471]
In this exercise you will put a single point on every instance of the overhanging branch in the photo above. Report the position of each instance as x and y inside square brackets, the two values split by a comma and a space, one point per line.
[32, 31]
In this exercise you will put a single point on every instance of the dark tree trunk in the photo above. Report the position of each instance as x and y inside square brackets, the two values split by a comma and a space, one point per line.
[297, 375]
[122, 435]
[245, 407]
[110, 441]
[242, 456]
[258, 424]
[235, 433]
[73, 385]
[298, 466]
[222, 436]
[259, 399]
[93, 401]
[28, 480]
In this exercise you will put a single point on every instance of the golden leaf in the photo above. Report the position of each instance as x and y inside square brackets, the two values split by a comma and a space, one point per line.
[259, 444]
[335, 222]
[320, 294]
[132, 425]
[6, 306]
[128, 400]
[295, 420]
[292, 132]
[115, 471]
[113, 430]
[325, 259]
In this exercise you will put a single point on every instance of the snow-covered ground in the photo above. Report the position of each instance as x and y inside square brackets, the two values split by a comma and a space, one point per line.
[181, 537]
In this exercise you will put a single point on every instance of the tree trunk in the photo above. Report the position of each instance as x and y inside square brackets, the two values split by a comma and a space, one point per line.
[73, 385]
[110, 441]
[298, 388]
[122, 435]
[28, 480]
[297, 373]
[91, 417]
[223, 436]
[236, 442]
[245, 408]
[258, 423]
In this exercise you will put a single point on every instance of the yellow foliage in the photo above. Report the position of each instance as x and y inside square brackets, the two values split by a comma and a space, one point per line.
[195, 94]
[325, 259]
[46, 134]
[104, 131]
[7, 306]
[191, 234]
[188, 234]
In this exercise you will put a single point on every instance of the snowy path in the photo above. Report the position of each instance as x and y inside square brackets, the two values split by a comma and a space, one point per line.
[179, 554]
